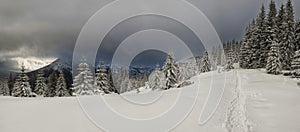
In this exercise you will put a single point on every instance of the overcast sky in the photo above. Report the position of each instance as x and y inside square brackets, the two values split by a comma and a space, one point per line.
[47, 29]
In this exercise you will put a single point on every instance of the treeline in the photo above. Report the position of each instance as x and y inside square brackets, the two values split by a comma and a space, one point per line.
[271, 40]
[106, 80]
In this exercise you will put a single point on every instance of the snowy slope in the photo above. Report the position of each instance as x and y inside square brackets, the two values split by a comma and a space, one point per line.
[252, 101]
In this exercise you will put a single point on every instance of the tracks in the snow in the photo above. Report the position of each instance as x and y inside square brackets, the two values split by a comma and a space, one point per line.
[237, 120]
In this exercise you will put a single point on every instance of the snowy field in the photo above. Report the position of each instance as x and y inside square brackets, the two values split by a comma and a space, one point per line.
[252, 102]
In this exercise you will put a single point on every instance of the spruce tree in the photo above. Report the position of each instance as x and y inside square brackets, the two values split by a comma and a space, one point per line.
[261, 24]
[289, 36]
[22, 87]
[272, 29]
[230, 60]
[52, 79]
[102, 80]
[245, 48]
[296, 65]
[83, 81]
[156, 79]
[171, 71]
[5, 87]
[273, 62]
[61, 86]
[297, 35]
[252, 58]
[40, 85]
[281, 35]
[205, 63]
[10, 83]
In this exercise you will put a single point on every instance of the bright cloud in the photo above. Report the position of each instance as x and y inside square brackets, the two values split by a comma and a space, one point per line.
[32, 63]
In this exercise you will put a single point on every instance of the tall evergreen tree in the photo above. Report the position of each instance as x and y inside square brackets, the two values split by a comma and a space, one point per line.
[156, 79]
[273, 62]
[102, 80]
[5, 88]
[230, 60]
[205, 63]
[61, 86]
[1, 87]
[171, 71]
[40, 85]
[245, 48]
[297, 35]
[10, 83]
[281, 35]
[261, 24]
[52, 79]
[296, 65]
[272, 29]
[22, 87]
[289, 36]
[83, 81]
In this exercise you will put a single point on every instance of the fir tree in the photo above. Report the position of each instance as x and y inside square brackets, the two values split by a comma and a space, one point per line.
[156, 79]
[170, 69]
[289, 36]
[230, 60]
[6, 90]
[205, 63]
[297, 35]
[262, 52]
[272, 29]
[10, 83]
[102, 80]
[40, 85]
[22, 87]
[273, 61]
[296, 65]
[1, 87]
[52, 79]
[61, 87]
[245, 48]
[83, 81]
[281, 35]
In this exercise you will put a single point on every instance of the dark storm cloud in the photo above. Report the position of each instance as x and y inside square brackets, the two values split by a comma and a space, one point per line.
[52, 26]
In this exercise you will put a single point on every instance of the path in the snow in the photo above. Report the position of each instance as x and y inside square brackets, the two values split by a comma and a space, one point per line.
[237, 118]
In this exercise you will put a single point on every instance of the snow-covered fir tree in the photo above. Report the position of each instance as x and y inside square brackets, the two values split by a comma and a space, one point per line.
[156, 79]
[51, 86]
[61, 86]
[290, 35]
[296, 65]
[261, 24]
[230, 60]
[245, 48]
[273, 61]
[286, 34]
[271, 39]
[1, 87]
[40, 85]
[205, 65]
[189, 69]
[22, 87]
[4, 89]
[83, 81]
[297, 35]
[171, 71]
[102, 81]
[125, 85]
[281, 24]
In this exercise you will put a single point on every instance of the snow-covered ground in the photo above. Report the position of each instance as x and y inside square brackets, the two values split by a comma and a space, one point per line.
[252, 102]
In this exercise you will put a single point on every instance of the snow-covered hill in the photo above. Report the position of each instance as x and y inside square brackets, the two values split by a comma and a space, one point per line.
[252, 102]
